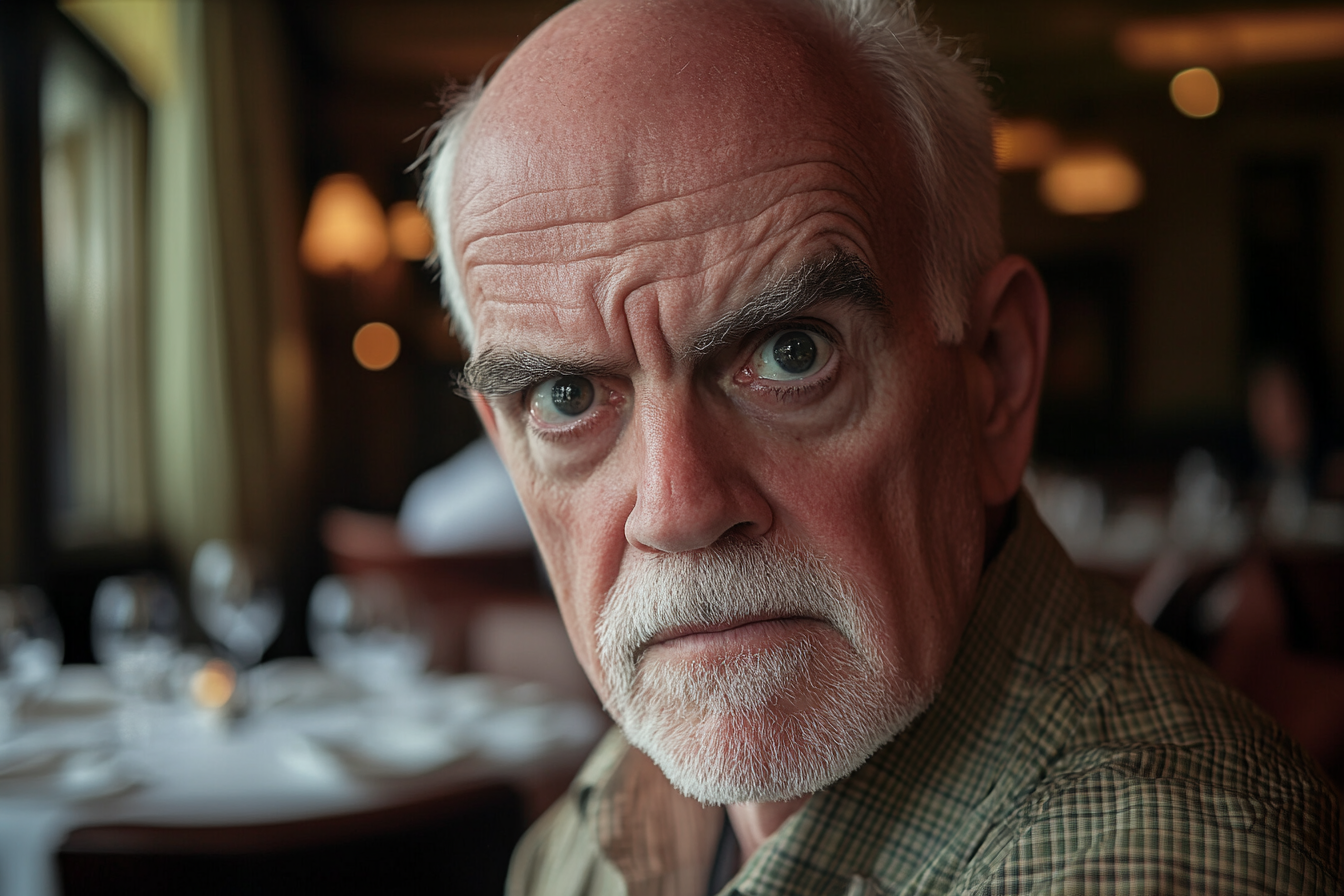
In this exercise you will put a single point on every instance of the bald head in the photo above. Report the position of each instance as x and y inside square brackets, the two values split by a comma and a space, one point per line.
[627, 103]
[644, 99]
[602, 66]
[666, 59]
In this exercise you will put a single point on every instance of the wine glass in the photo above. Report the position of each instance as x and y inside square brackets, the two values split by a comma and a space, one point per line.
[135, 632]
[364, 628]
[229, 605]
[31, 648]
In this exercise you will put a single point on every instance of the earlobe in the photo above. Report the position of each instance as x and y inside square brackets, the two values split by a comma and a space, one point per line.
[1009, 334]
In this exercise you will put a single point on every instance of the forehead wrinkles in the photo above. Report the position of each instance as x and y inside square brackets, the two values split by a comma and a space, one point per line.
[641, 182]
[596, 170]
[640, 155]
[544, 249]
[551, 215]
[693, 279]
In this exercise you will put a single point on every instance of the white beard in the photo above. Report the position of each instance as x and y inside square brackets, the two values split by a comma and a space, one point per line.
[751, 726]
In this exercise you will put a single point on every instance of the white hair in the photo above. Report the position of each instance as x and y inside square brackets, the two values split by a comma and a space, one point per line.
[435, 198]
[936, 97]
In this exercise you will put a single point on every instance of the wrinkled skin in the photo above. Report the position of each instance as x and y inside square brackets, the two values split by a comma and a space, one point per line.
[630, 178]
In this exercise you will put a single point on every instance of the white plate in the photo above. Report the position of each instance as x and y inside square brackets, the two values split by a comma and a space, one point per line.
[389, 749]
[68, 774]
[300, 683]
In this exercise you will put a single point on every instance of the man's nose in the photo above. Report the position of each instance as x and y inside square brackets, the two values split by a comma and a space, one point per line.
[694, 485]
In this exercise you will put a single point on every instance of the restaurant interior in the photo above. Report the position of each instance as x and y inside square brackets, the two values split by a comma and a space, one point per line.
[270, 617]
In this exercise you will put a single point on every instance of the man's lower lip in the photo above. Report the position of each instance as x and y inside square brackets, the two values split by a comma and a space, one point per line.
[744, 635]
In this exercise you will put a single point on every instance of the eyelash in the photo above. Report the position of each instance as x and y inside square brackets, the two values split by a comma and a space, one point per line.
[788, 394]
[792, 392]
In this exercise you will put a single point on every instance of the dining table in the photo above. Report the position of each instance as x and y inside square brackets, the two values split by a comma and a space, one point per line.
[293, 742]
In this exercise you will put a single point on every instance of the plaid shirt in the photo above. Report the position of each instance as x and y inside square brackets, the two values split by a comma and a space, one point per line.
[1070, 750]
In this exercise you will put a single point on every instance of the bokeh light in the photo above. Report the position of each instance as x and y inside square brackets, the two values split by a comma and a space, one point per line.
[412, 238]
[1196, 93]
[345, 230]
[1091, 181]
[1024, 144]
[1238, 37]
[376, 346]
[212, 685]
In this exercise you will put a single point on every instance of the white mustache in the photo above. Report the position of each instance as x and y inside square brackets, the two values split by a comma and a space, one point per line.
[716, 588]
[803, 712]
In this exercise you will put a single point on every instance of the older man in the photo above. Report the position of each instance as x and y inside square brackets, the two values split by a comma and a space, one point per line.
[743, 332]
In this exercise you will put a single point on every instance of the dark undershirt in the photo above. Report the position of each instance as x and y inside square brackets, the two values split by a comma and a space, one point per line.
[727, 858]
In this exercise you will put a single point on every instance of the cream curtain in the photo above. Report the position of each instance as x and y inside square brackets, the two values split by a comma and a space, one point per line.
[229, 363]
[218, 384]
[196, 474]
[93, 259]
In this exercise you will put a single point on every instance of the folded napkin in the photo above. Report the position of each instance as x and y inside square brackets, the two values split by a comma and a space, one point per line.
[27, 763]
[80, 691]
[30, 834]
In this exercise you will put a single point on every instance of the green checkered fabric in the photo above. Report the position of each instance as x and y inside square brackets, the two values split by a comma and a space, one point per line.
[1071, 750]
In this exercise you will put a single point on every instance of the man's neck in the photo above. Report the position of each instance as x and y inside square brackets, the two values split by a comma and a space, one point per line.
[754, 822]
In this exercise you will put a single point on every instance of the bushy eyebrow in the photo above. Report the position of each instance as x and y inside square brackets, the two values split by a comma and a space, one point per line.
[494, 373]
[839, 277]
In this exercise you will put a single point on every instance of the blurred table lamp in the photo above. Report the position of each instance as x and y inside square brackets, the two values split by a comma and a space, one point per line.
[345, 231]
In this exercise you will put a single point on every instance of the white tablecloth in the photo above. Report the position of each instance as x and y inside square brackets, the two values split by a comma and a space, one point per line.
[310, 747]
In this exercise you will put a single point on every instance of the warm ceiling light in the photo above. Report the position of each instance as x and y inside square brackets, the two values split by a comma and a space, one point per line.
[376, 346]
[1092, 181]
[1024, 144]
[345, 230]
[1222, 40]
[1196, 93]
[409, 230]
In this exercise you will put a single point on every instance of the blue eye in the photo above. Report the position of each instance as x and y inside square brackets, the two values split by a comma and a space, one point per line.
[563, 399]
[792, 355]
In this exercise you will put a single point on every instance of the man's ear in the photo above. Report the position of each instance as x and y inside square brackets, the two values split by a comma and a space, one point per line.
[1005, 355]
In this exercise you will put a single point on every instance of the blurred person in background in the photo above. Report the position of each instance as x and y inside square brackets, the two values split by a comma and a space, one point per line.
[744, 335]
[1279, 415]
[464, 504]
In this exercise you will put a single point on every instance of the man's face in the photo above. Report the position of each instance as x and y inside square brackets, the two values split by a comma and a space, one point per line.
[712, 375]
